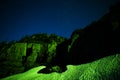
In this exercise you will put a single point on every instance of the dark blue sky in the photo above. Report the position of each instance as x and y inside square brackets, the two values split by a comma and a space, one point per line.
[26, 17]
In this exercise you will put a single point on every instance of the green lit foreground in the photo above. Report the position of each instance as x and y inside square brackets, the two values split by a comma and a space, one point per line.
[107, 68]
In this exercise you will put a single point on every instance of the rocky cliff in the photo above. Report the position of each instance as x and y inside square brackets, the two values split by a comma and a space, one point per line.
[25, 54]
[95, 49]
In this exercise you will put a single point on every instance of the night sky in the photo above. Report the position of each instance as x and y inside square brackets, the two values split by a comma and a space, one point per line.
[26, 17]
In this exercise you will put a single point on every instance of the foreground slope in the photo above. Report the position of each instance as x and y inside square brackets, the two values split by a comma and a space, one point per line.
[103, 69]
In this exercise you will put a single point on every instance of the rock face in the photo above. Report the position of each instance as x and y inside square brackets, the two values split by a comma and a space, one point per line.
[18, 57]
[51, 51]
[99, 39]
[33, 51]
[26, 56]
[16, 52]
[11, 59]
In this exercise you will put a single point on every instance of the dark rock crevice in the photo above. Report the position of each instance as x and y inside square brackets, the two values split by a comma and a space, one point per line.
[28, 53]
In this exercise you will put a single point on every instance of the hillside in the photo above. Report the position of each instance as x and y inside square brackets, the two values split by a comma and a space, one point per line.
[92, 53]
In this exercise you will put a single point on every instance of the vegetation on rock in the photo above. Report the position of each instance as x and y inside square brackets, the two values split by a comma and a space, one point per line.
[89, 46]
[29, 52]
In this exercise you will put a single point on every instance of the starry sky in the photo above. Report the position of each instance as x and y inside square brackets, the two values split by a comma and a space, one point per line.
[26, 17]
